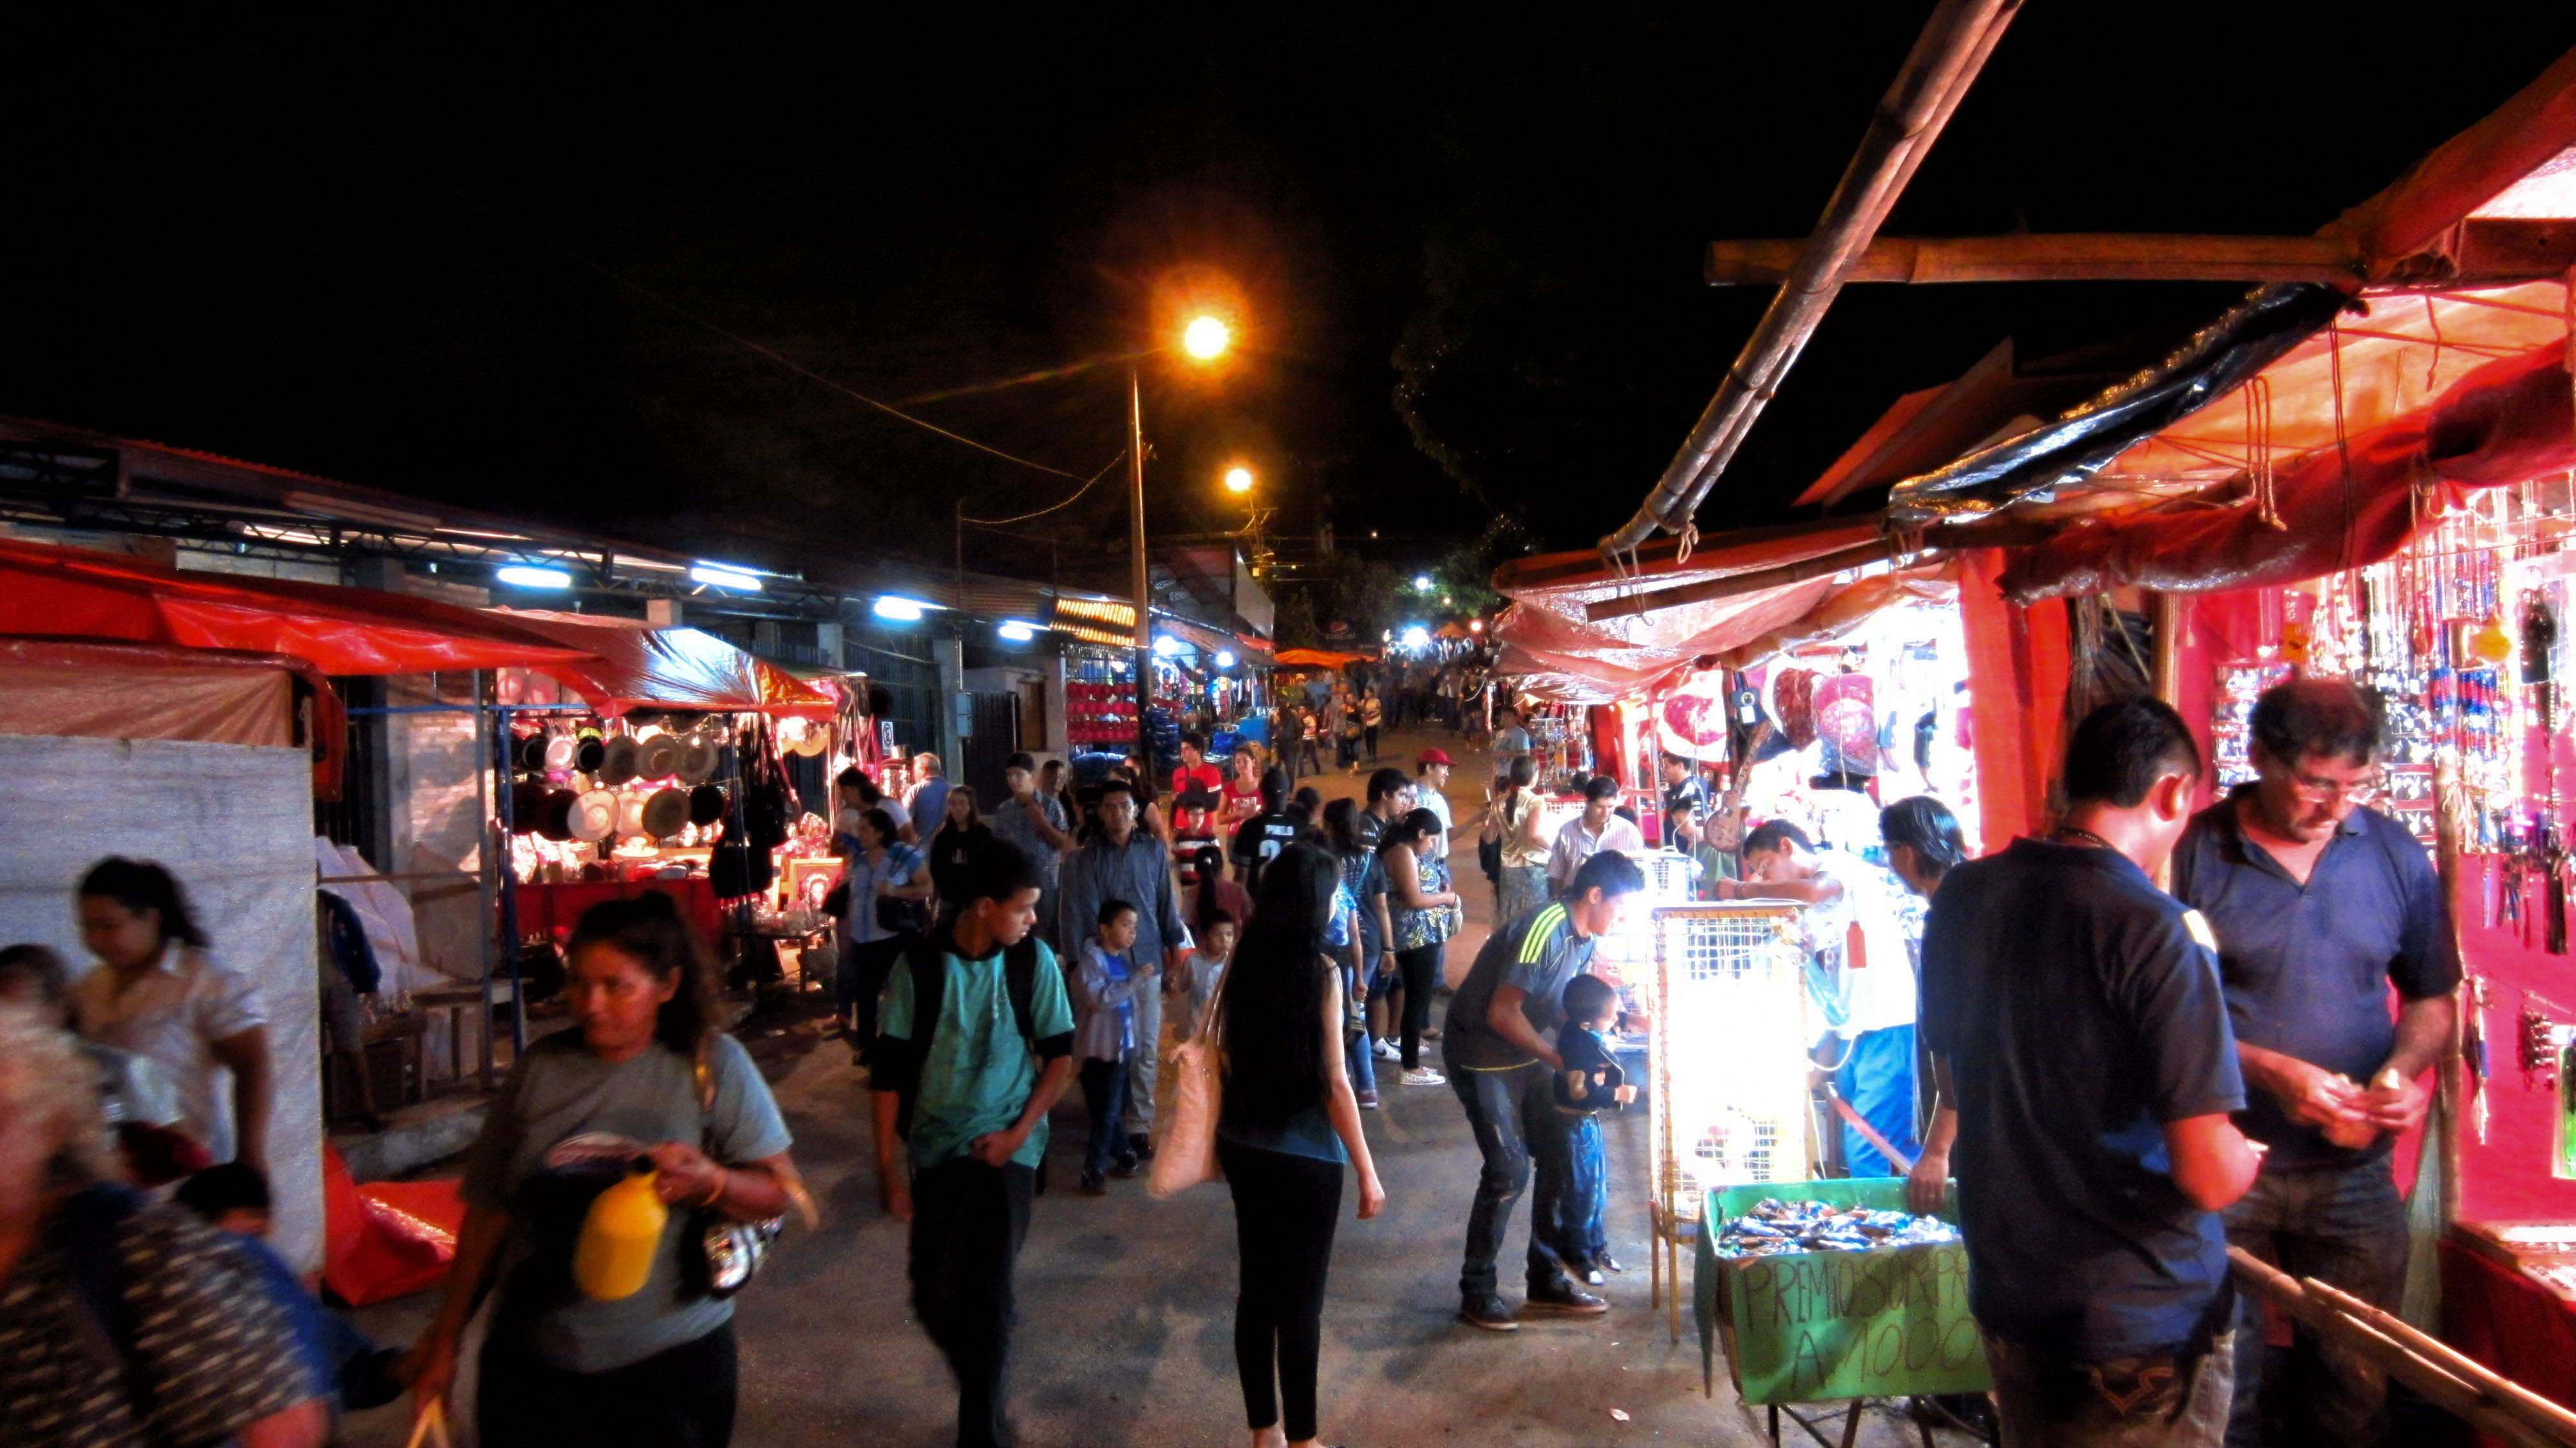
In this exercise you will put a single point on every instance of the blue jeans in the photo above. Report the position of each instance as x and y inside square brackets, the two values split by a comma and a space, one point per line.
[1878, 1081]
[1357, 1058]
[2345, 1227]
[1574, 1219]
[1510, 1112]
[1104, 1092]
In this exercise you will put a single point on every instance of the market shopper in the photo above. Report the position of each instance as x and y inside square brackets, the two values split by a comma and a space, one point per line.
[1287, 1124]
[927, 799]
[1863, 984]
[1258, 840]
[1600, 827]
[2075, 1014]
[1122, 862]
[1924, 844]
[1368, 941]
[123, 1321]
[1683, 785]
[886, 886]
[1423, 911]
[1431, 791]
[649, 1072]
[1372, 715]
[1516, 820]
[961, 831]
[1501, 1055]
[978, 1046]
[1032, 818]
[2320, 905]
[161, 993]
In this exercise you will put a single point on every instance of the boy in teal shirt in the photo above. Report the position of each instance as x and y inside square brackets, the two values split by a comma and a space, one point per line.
[979, 1076]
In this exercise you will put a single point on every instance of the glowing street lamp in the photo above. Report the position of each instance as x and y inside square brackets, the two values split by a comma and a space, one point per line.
[1422, 583]
[1238, 480]
[1206, 338]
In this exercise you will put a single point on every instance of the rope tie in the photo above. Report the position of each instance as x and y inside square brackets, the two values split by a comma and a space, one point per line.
[2258, 454]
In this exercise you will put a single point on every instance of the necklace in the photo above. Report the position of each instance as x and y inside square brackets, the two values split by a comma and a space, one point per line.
[2070, 834]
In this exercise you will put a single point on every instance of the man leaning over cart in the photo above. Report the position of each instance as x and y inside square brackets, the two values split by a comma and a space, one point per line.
[2074, 1015]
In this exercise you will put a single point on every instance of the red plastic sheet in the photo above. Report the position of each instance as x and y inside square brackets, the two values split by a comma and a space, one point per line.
[2017, 663]
[86, 689]
[2503, 423]
[72, 592]
[625, 666]
[386, 1239]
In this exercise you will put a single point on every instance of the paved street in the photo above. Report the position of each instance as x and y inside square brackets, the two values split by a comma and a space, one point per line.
[1126, 1307]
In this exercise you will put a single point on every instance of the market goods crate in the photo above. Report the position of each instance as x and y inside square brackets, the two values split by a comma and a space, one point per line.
[1810, 1327]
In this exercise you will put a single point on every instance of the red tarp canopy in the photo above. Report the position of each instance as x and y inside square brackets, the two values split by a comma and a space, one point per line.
[627, 666]
[75, 593]
[1314, 659]
[85, 688]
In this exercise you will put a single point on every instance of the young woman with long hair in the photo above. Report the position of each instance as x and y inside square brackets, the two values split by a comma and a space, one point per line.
[1287, 1125]
[1424, 914]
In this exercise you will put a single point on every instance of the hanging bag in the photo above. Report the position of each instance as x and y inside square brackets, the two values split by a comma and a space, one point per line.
[730, 1252]
[1186, 1156]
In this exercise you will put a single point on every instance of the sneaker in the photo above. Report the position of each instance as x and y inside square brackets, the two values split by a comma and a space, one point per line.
[1123, 1168]
[1489, 1313]
[1368, 1101]
[1424, 1076]
[1593, 1276]
[1608, 1263]
[1094, 1185]
[1140, 1146]
[1385, 1049]
[1570, 1301]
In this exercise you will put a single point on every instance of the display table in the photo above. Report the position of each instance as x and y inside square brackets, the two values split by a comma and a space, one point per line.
[555, 909]
[2508, 1320]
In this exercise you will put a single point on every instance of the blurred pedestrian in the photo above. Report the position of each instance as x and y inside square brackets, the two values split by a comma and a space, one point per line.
[1124, 863]
[161, 993]
[1516, 820]
[1423, 912]
[648, 1072]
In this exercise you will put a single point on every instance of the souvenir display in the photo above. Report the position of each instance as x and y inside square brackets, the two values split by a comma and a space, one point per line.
[1775, 1227]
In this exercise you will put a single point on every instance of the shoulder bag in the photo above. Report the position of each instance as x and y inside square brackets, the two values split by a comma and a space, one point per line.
[1186, 1156]
[731, 1252]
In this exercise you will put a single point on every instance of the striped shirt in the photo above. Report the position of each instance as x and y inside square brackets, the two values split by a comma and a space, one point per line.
[1537, 953]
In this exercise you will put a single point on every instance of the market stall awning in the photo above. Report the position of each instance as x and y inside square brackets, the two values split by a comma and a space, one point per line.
[63, 592]
[626, 666]
[1314, 659]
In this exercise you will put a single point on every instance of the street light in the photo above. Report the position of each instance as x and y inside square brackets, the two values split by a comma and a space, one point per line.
[1204, 339]
[1238, 479]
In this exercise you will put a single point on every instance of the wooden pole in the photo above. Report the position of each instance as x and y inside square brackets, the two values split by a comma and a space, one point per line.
[1737, 584]
[2066, 257]
[1953, 47]
[2457, 1384]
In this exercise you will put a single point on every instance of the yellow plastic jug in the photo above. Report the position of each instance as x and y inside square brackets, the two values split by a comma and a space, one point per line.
[620, 1236]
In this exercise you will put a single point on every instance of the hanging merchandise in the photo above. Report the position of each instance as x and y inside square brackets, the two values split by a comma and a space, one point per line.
[2562, 1160]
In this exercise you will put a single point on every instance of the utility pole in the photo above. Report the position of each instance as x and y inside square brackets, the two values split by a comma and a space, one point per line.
[1136, 582]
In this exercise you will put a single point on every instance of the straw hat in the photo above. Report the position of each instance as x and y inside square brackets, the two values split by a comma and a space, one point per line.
[666, 813]
[594, 816]
[587, 751]
[698, 758]
[706, 804]
[630, 812]
[657, 757]
[617, 760]
[560, 751]
[528, 751]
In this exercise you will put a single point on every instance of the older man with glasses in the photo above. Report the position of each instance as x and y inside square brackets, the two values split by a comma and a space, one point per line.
[2320, 904]
[1125, 862]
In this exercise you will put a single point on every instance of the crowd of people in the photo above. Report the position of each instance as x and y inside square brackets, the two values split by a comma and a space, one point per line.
[2123, 1081]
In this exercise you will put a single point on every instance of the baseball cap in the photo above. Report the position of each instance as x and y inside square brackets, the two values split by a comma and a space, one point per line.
[1434, 756]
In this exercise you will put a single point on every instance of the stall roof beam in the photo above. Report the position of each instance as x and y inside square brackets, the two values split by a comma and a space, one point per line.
[1859, 555]
[1944, 62]
[2484, 252]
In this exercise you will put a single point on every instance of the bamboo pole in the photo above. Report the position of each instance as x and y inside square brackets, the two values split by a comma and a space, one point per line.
[2454, 1382]
[2059, 257]
[1944, 62]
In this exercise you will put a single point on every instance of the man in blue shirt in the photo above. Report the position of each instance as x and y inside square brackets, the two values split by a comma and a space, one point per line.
[1124, 862]
[981, 1078]
[2320, 905]
[2075, 1018]
[1500, 1048]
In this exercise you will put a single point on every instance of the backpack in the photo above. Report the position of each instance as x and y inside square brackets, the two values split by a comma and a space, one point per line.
[899, 1061]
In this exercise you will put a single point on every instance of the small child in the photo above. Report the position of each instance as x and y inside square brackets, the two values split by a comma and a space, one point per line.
[1203, 969]
[1104, 1034]
[1590, 1082]
[345, 1363]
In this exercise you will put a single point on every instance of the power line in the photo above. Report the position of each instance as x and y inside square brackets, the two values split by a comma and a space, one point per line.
[1052, 507]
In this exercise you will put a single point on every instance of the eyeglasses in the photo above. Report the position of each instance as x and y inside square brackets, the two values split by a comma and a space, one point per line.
[2307, 789]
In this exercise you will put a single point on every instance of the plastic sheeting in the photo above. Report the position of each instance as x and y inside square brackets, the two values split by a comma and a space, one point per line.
[2033, 463]
[627, 666]
[1846, 609]
[235, 825]
[2506, 422]
[71, 592]
[113, 691]
[1314, 659]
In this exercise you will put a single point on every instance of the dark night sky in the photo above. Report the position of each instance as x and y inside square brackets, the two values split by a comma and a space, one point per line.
[333, 244]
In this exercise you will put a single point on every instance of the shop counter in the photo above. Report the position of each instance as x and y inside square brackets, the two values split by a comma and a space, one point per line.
[2509, 1315]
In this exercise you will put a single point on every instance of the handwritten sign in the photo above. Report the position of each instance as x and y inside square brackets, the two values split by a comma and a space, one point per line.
[1814, 1326]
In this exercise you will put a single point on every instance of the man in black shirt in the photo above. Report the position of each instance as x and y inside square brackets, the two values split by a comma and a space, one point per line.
[2075, 1019]
[1683, 785]
[1258, 840]
[2322, 904]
